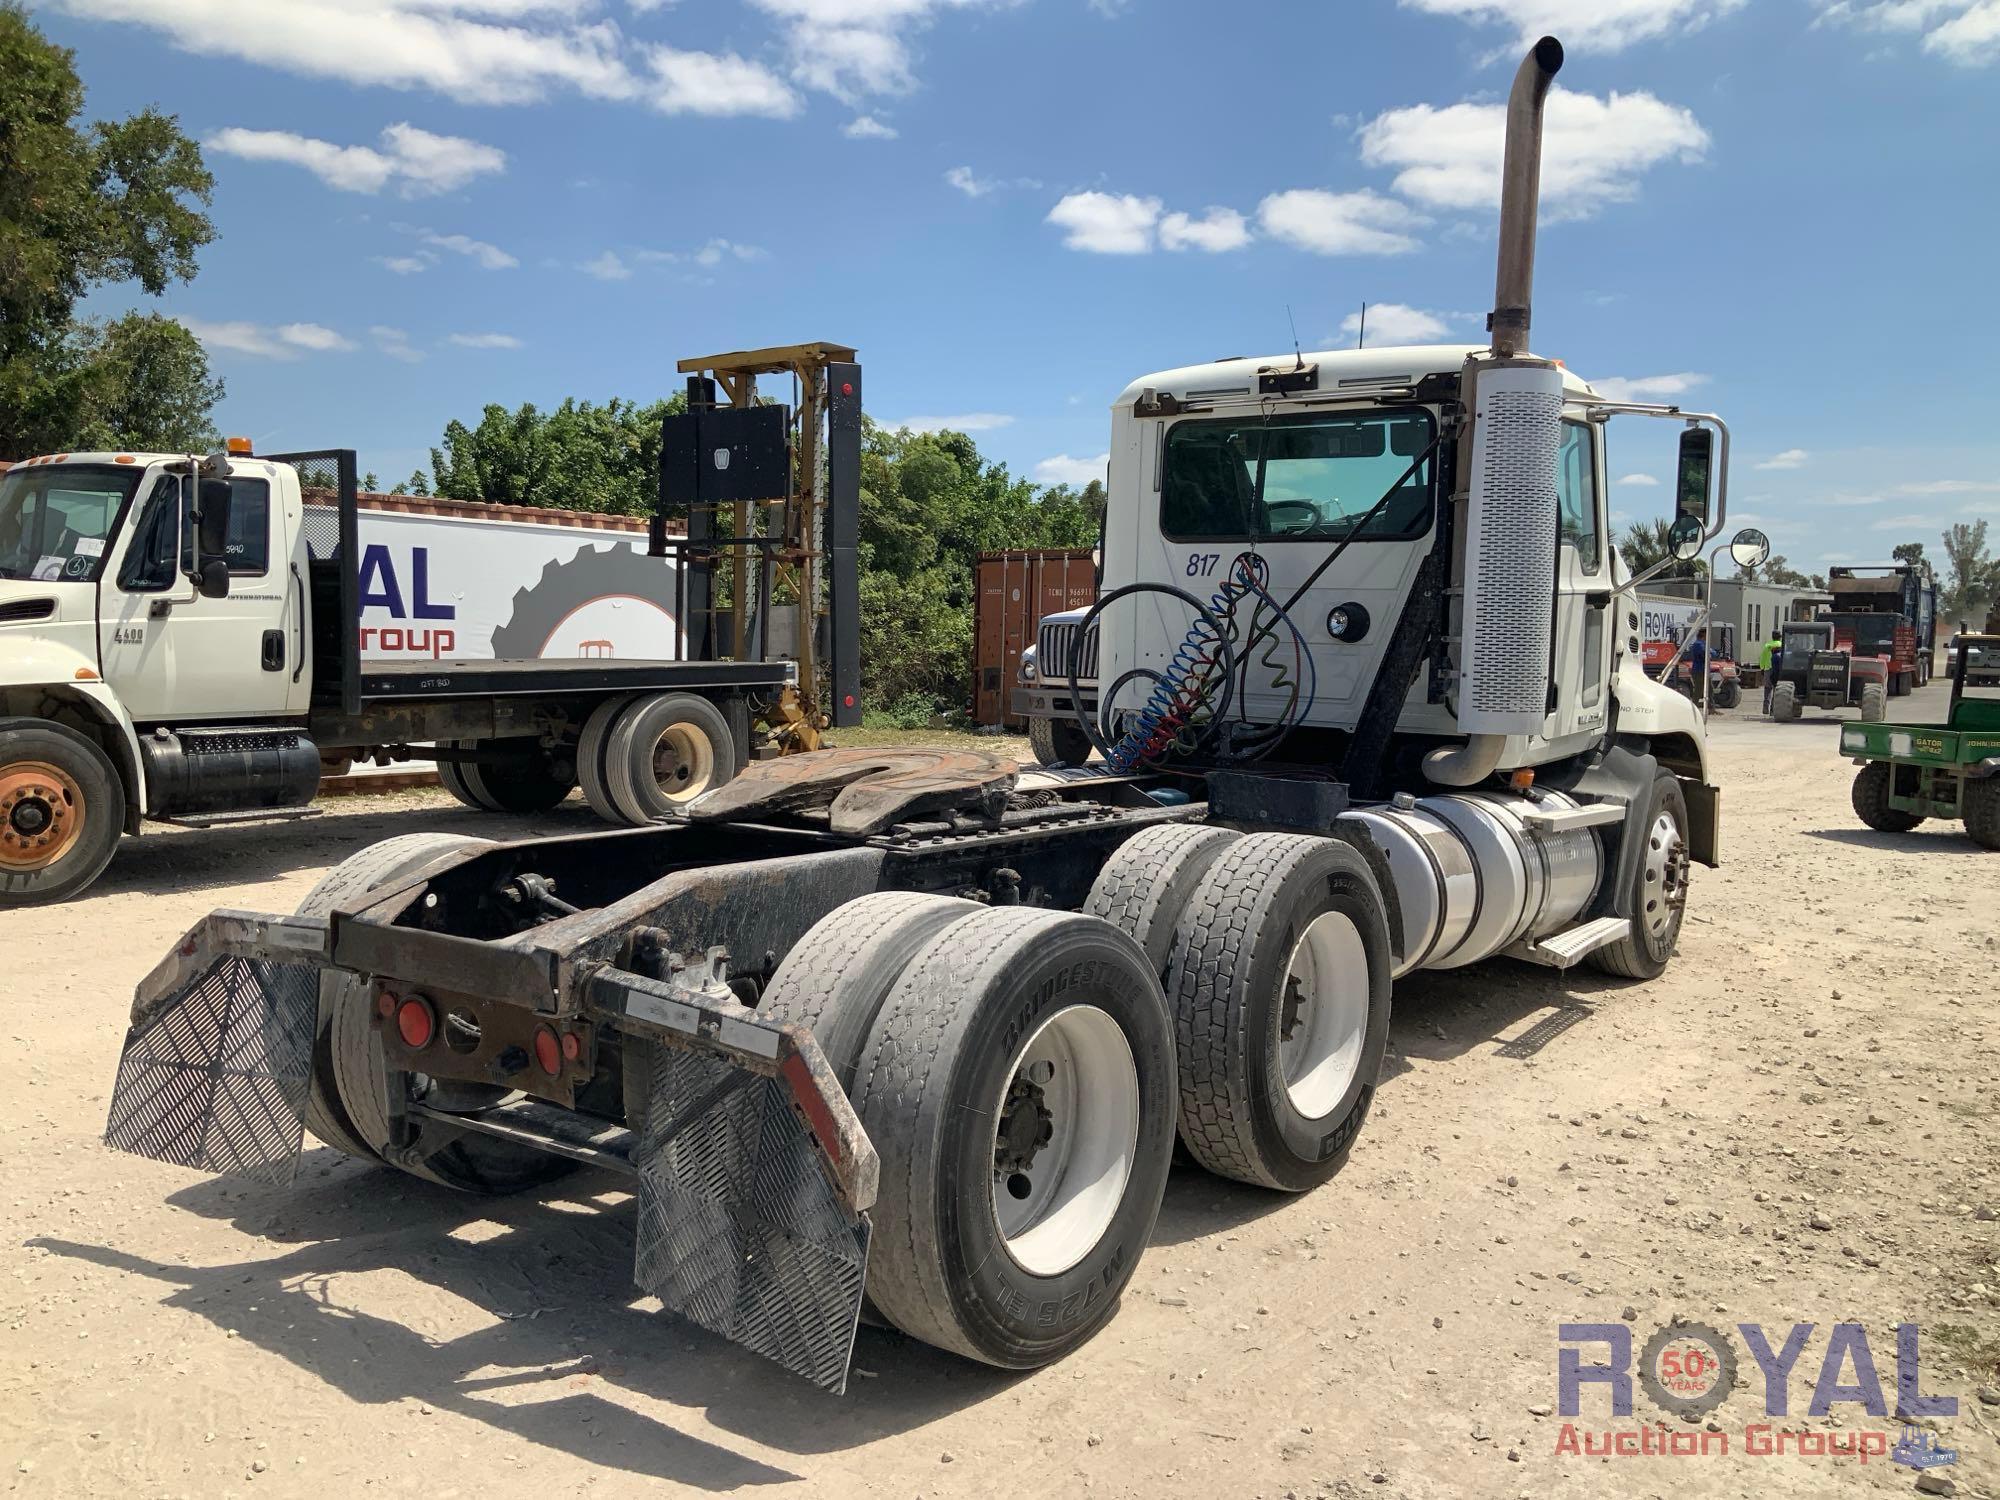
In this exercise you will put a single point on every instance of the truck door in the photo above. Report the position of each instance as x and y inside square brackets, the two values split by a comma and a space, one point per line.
[1583, 586]
[175, 657]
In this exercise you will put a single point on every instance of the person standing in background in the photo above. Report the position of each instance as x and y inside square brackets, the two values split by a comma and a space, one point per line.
[1773, 649]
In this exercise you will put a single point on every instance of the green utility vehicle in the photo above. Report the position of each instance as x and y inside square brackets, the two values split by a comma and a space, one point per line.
[1910, 772]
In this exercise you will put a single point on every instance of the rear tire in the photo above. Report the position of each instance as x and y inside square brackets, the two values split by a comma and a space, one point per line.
[1729, 695]
[451, 775]
[1784, 702]
[1058, 742]
[1145, 886]
[1281, 1009]
[531, 784]
[1874, 703]
[1657, 900]
[1871, 800]
[1018, 1086]
[665, 751]
[62, 812]
[1979, 802]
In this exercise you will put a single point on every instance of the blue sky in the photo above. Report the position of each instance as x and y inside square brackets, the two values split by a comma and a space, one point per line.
[1784, 210]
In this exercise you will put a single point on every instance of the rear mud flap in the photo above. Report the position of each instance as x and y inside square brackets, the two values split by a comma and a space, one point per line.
[216, 1064]
[741, 1231]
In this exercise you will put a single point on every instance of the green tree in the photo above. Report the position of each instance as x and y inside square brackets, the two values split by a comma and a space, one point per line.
[1645, 543]
[1908, 552]
[143, 382]
[577, 457]
[81, 207]
[1969, 584]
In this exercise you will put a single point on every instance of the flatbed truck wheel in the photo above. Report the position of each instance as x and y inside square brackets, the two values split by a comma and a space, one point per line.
[1281, 1009]
[62, 812]
[1979, 802]
[1058, 742]
[1871, 800]
[1874, 703]
[1784, 702]
[1018, 1086]
[665, 751]
[590, 749]
[1658, 896]
[1145, 886]
[530, 783]
[374, 868]
[452, 777]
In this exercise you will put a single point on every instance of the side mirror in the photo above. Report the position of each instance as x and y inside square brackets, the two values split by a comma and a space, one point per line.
[1684, 538]
[1694, 487]
[214, 580]
[213, 533]
[1749, 548]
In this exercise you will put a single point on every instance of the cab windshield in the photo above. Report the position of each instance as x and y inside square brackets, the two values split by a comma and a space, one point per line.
[56, 520]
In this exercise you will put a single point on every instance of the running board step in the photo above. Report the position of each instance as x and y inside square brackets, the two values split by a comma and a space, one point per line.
[250, 815]
[1566, 949]
[1563, 819]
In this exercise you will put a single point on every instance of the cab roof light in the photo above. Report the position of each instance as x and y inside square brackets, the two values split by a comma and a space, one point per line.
[239, 447]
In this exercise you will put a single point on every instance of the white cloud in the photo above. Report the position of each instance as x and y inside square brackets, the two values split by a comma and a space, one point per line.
[490, 257]
[417, 161]
[1648, 388]
[1791, 458]
[1074, 472]
[264, 342]
[1966, 32]
[405, 265]
[1394, 323]
[1904, 523]
[855, 48]
[967, 183]
[1584, 25]
[703, 83]
[395, 344]
[607, 267]
[868, 128]
[1107, 223]
[1218, 229]
[1640, 481]
[1847, 501]
[1594, 152]
[1361, 223]
[473, 51]
[708, 256]
[485, 341]
[1951, 487]
[972, 421]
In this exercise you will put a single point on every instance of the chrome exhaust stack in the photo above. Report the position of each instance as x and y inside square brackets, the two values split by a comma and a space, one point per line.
[1508, 525]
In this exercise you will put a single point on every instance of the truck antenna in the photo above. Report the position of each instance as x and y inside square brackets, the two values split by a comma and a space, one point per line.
[1298, 354]
[1361, 333]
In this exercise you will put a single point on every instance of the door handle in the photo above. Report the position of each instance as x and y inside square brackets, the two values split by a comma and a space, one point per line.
[274, 651]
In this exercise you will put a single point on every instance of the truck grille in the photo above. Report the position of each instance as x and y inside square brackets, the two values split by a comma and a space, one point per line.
[1052, 653]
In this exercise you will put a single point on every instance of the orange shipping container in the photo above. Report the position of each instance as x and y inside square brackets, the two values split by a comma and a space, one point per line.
[1015, 590]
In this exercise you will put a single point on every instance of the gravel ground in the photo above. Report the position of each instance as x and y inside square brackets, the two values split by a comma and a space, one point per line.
[1795, 1125]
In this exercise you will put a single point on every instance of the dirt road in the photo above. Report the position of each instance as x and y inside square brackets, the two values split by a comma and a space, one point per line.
[1797, 1125]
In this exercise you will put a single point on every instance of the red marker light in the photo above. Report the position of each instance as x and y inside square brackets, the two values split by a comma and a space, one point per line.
[548, 1052]
[416, 1022]
[847, 388]
[848, 701]
[572, 1046]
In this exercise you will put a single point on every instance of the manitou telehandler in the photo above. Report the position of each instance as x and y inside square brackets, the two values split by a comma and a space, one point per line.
[919, 1028]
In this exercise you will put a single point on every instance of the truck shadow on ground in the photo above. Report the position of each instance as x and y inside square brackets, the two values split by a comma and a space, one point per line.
[165, 862]
[1940, 838]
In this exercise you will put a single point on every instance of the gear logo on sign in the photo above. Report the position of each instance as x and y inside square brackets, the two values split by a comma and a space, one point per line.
[1688, 1367]
[599, 602]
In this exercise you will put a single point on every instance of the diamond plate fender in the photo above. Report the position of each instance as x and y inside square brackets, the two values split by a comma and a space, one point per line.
[215, 1066]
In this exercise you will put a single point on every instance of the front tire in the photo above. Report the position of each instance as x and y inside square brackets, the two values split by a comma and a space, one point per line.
[1979, 802]
[1658, 898]
[1058, 742]
[1871, 800]
[1018, 1086]
[1281, 1009]
[62, 811]
[1874, 703]
[1784, 703]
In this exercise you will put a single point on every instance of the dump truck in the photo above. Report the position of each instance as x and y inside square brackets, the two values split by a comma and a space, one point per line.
[912, 1033]
[185, 639]
[1888, 610]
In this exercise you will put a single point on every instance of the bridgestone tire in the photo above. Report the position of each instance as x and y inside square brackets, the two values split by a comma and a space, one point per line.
[1237, 940]
[1979, 801]
[590, 748]
[940, 1055]
[353, 1055]
[1145, 886]
[1871, 800]
[92, 808]
[630, 774]
[531, 784]
[1874, 703]
[1058, 742]
[1645, 954]
[1784, 702]
[451, 775]
[378, 866]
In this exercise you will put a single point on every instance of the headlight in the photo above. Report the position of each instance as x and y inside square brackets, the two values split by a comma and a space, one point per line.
[1028, 669]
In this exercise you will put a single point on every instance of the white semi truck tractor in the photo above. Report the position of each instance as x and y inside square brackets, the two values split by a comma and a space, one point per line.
[914, 1031]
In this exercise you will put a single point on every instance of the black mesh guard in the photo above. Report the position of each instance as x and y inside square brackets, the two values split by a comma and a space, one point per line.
[216, 1079]
[740, 1229]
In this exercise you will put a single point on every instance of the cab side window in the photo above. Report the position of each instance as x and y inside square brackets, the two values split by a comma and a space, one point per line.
[1576, 491]
[149, 563]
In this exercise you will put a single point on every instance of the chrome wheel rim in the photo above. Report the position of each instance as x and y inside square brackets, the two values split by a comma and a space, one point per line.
[1664, 895]
[1065, 1134]
[1323, 1014]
